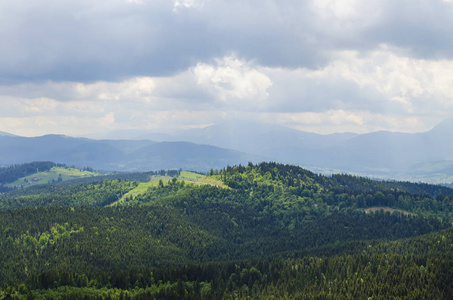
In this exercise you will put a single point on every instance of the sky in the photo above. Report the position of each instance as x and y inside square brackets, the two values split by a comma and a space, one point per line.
[89, 67]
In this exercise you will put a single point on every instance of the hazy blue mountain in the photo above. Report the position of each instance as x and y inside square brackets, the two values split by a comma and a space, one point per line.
[132, 134]
[421, 156]
[384, 154]
[400, 151]
[118, 154]
[251, 137]
[387, 154]
[175, 155]
[2, 133]
[439, 140]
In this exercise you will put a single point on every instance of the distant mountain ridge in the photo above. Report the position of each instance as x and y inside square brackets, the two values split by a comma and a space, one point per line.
[415, 156]
[117, 155]
[2, 133]
[426, 156]
[251, 137]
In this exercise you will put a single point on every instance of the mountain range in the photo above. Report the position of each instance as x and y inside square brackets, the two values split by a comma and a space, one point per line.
[117, 155]
[426, 156]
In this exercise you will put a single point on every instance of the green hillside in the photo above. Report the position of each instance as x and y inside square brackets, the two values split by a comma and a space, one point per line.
[244, 232]
[55, 174]
[35, 173]
[11, 173]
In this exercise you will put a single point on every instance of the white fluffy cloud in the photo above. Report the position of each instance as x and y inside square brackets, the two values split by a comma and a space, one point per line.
[232, 78]
[181, 4]
[378, 91]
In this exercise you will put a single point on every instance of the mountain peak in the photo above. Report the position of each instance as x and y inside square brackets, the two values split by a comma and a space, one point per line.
[444, 127]
[2, 133]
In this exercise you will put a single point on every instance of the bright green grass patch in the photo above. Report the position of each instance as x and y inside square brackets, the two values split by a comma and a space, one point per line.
[155, 179]
[190, 176]
[196, 178]
[212, 181]
[142, 188]
[53, 175]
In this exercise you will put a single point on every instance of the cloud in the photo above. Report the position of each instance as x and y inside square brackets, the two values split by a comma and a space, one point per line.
[140, 2]
[181, 4]
[421, 27]
[337, 121]
[352, 91]
[138, 88]
[232, 78]
[72, 125]
[111, 40]
[137, 63]
[381, 82]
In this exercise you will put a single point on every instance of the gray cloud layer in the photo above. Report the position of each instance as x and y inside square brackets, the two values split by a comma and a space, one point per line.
[378, 64]
[112, 40]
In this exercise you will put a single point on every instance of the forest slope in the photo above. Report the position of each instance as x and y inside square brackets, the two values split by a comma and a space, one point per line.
[290, 233]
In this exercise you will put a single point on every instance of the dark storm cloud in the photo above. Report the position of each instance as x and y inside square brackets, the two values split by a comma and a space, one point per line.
[423, 27]
[112, 40]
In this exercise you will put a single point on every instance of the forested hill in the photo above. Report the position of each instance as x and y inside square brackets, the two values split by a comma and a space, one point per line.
[293, 176]
[14, 172]
[245, 231]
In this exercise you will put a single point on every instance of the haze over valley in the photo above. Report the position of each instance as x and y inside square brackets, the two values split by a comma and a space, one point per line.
[425, 157]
